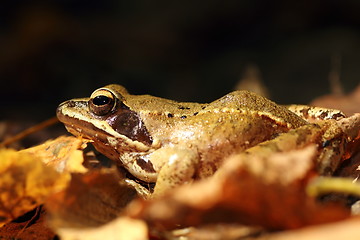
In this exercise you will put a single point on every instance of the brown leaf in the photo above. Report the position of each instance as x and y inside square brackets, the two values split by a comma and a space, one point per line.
[351, 157]
[349, 104]
[212, 232]
[350, 166]
[25, 182]
[350, 126]
[90, 200]
[63, 153]
[118, 229]
[28, 226]
[251, 80]
[348, 229]
[265, 190]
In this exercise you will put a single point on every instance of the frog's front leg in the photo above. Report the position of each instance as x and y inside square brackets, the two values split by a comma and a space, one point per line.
[178, 167]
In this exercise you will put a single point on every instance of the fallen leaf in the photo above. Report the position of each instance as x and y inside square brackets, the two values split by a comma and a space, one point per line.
[213, 232]
[28, 226]
[347, 229]
[349, 104]
[91, 199]
[351, 126]
[118, 229]
[63, 153]
[25, 182]
[251, 80]
[265, 190]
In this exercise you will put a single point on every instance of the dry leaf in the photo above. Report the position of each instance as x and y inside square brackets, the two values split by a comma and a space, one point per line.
[28, 226]
[118, 229]
[90, 200]
[251, 80]
[213, 232]
[349, 104]
[351, 157]
[347, 229]
[63, 153]
[351, 126]
[258, 190]
[25, 182]
[351, 166]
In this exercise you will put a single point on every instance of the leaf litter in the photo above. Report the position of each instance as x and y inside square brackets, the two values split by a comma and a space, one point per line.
[254, 195]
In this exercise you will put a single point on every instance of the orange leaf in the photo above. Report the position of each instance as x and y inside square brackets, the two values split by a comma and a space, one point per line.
[25, 182]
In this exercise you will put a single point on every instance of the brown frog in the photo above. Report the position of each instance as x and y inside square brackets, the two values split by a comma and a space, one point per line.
[170, 143]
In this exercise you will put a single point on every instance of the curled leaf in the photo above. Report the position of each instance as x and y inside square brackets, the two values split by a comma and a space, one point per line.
[63, 153]
[262, 190]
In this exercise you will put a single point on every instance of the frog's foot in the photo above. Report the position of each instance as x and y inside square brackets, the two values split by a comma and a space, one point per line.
[313, 114]
[178, 168]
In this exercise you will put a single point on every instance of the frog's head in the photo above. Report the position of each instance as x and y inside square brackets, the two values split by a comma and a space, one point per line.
[105, 119]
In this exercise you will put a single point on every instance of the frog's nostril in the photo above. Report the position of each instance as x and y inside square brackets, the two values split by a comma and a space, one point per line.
[61, 108]
[66, 104]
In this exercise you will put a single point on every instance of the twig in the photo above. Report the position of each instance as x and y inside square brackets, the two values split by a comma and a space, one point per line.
[29, 131]
[37, 213]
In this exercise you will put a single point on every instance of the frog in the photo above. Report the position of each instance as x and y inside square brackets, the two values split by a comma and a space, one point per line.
[169, 143]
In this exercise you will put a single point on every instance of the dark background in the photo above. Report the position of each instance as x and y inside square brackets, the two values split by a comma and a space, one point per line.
[51, 51]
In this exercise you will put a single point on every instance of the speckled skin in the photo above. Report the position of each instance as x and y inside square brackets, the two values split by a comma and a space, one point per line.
[180, 140]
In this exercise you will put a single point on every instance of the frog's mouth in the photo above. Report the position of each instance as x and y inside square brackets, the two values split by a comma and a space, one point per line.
[98, 137]
[76, 123]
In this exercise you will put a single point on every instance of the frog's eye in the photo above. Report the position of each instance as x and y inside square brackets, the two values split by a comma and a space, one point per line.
[101, 102]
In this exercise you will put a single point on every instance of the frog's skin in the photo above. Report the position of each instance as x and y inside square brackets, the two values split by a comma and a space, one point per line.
[167, 142]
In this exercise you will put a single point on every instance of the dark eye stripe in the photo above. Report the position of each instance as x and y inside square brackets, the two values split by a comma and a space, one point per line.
[129, 124]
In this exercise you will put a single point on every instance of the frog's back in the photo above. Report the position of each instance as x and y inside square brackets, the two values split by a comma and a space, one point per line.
[248, 101]
[233, 102]
[157, 105]
[241, 119]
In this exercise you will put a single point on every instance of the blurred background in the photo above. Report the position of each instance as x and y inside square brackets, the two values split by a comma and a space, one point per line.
[51, 51]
